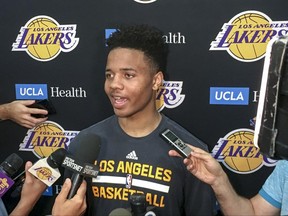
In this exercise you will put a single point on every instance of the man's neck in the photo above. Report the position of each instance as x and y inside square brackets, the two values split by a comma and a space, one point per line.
[140, 127]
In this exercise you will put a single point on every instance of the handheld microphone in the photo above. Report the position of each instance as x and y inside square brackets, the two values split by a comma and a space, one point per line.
[7, 169]
[86, 147]
[139, 205]
[272, 111]
[46, 169]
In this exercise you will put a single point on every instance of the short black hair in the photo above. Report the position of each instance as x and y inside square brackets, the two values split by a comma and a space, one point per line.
[145, 38]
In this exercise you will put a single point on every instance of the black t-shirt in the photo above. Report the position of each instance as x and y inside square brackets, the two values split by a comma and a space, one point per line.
[128, 164]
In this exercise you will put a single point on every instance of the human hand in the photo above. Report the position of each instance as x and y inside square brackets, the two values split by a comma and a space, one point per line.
[30, 193]
[74, 206]
[18, 112]
[202, 165]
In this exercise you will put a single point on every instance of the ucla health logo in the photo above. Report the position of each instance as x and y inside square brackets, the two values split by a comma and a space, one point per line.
[31, 91]
[43, 38]
[237, 152]
[169, 95]
[246, 35]
[229, 96]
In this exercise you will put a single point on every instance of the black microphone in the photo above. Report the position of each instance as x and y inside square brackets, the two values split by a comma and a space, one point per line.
[54, 161]
[46, 169]
[7, 169]
[139, 205]
[272, 114]
[85, 148]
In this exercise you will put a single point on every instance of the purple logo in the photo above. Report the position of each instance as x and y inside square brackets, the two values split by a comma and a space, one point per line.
[5, 184]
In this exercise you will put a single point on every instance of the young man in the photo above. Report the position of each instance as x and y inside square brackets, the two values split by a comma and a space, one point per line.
[272, 199]
[133, 157]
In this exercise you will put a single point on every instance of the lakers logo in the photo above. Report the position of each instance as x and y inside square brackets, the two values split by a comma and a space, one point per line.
[43, 38]
[44, 173]
[246, 35]
[46, 138]
[169, 95]
[238, 153]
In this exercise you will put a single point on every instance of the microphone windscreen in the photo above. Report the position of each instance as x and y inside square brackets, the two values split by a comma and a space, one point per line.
[85, 147]
[272, 113]
[120, 212]
[56, 158]
[12, 164]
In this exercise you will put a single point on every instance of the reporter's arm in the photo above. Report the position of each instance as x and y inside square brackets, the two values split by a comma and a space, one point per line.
[30, 194]
[18, 112]
[202, 165]
[74, 206]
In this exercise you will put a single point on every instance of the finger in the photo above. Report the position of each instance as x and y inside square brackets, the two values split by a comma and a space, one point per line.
[26, 102]
[32, 121]
[39, 120]
[26, 125]
[174, 153]
[62, 196]
[82, 189]
[38, 111]
[28, 176]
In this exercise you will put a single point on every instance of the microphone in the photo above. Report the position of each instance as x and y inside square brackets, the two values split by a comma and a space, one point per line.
[120, 212]
[272, 113]
[85, 147]
[46, 169]
[139, 205]
[7, 169]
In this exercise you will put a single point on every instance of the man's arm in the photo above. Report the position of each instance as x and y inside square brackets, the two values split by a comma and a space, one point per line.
[18, 112]
[30, 194]
[202, 165]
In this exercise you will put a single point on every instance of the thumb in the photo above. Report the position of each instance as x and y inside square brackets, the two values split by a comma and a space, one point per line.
[28, 176]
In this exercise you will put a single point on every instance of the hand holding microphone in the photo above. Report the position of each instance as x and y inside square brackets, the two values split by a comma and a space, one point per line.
[74, 206]
[8, 168]
[31, 191]
[85, 148]
[46, 169]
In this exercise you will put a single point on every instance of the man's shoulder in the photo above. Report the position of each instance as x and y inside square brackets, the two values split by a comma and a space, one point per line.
[184, 134]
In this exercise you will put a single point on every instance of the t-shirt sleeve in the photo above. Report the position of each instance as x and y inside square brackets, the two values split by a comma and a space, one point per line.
[272, 190]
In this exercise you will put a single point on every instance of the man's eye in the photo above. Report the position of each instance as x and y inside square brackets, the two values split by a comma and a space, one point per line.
[107, 75]
[129, 76]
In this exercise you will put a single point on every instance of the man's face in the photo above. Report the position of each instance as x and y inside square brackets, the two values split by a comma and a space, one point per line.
[129, 82]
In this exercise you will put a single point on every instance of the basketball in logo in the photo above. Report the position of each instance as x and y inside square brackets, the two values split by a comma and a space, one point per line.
[47, 138]
[44, 173]
[247, 41]
[42, 45]
[241, 154]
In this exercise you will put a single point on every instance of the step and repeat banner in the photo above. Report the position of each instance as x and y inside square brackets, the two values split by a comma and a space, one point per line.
[56, 50]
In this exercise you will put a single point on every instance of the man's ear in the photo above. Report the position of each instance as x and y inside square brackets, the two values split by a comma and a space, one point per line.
[157, 80]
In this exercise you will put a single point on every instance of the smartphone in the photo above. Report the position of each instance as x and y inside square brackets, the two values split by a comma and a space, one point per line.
[43, 104]
[176, 142]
